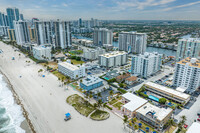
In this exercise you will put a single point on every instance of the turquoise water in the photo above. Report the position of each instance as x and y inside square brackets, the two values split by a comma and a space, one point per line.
[167, 52]
[10, 113]
[154, 98]
[106, 78]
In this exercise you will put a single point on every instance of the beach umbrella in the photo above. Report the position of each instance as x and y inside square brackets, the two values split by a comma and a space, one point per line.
[147, 128]
[154, 131]
[140, 124]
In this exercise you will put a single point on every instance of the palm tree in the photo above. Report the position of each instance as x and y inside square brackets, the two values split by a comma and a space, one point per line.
[136, 127]
[95, 105]
[90, 96]
[130, 125]
[111, 92]
[99, 103]
[170, 123]
[125, 120]
[183, 119]
[99, 94]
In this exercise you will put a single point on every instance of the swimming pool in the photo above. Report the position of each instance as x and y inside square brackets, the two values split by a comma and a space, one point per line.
[106, 78]
[154, 98]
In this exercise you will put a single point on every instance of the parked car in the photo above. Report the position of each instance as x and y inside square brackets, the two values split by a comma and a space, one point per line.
[185, 126]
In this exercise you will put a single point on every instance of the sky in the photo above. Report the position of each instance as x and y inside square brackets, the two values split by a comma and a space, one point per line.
[106, 9]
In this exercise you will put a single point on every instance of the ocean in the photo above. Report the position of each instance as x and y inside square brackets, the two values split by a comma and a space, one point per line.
[10, 113]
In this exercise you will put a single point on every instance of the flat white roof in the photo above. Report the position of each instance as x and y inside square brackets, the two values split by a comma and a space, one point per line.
[180, 89]
[42, 47]
[168, 90]
[154, 111]
[113, 54]
[135, 101]
[194, 128]
[69, 66]
[90, 80]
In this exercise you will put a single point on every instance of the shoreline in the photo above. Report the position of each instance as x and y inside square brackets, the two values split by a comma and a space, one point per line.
[26, 124]
[45, 100]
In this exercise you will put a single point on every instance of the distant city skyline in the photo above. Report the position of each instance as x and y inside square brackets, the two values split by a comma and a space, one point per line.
[106, 9]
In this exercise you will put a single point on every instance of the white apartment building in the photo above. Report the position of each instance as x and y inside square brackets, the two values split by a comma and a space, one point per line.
[153, 115]
[188, 48]
[102, 36]
[74, 72]
[43, 30]
[42, 52]
[114, 59]
[57, 33]
[62, 34]
[92, 54]
[146, 64]
[21, 32]
[187, 74]
[133, 42]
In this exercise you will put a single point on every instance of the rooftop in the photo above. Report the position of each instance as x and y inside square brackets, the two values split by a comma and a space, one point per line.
[190, 39]
[69, 66]
[133, 78]
[154, 112]
[194, 128]
[113, 54]
[123, 76]
[42, 47]
[148, 55]
[193, 62]
[170, 91]
[135, 101]
[132, 32]
[90, 80]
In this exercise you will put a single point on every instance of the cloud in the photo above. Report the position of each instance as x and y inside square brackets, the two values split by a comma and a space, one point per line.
[180, 6]
[141, 5]
[54, 6]
[64, 4]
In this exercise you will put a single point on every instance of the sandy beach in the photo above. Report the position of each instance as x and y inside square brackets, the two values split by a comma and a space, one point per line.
[45, 101]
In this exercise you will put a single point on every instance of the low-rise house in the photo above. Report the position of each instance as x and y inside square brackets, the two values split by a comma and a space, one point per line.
[122, 77]
[112, 74]
[131, 80]
[91, 82]
[153, 115]
[131, 103]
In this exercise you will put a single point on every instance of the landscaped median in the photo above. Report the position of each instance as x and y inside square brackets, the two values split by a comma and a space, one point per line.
[85, 108]
[80, 104]
[100, 115]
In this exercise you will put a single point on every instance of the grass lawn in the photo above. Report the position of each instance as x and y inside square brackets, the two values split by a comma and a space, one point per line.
[118, 105]
[75, 52]
[75, 62]
[113, 101]
[80, 104]
[99, 115]
[59, 75]
[172, 128]
[53, 65]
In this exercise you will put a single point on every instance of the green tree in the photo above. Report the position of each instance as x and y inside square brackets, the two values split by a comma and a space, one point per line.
[162, 100]
[111, 92]
[130, 125]
[99, 103]
[125, 120]
[170, 123]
